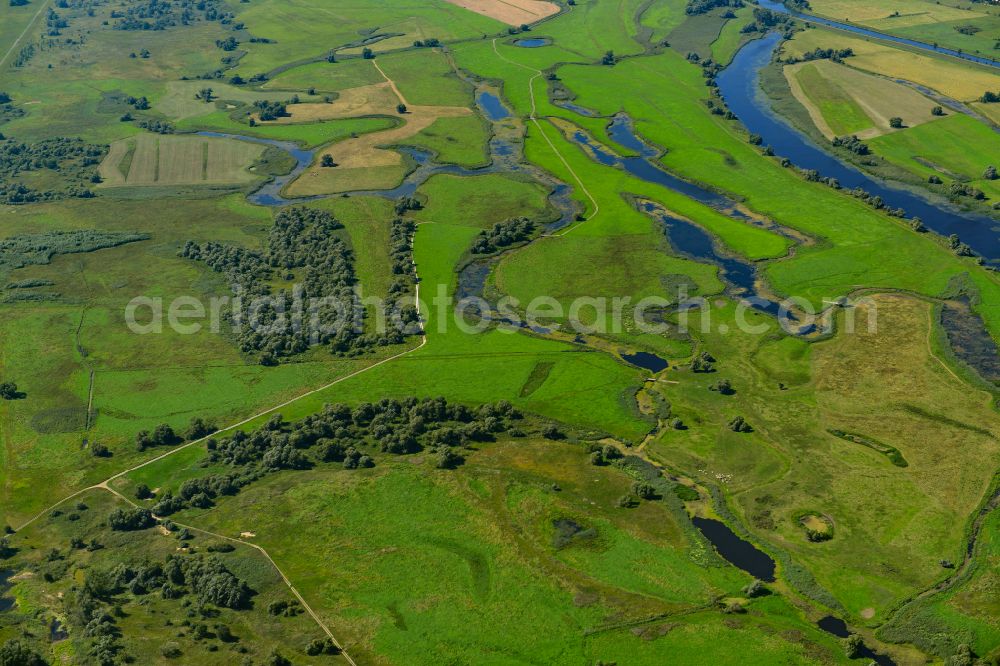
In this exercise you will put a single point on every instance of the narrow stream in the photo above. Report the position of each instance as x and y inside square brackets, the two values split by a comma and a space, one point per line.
[739, 85]
[687, 238]
[504, 158]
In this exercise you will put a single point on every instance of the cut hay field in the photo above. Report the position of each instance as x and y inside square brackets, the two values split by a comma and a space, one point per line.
[511, 12]
[843, 101]
[958, 80]
[358, 159]
[922, 20]
[150, 159]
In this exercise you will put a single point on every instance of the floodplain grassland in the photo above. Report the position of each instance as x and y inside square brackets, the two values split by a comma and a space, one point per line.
[709, 149]
[308, 29]
[52, 345]
[13, 23]
[957, 147]
[326, 77]
[731, 37]
[505, 556]
[461, 140]
[359, 544]
[966, 613]
[887, 547]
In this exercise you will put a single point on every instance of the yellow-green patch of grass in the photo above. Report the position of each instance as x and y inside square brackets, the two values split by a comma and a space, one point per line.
[960, 80]
[836, 110]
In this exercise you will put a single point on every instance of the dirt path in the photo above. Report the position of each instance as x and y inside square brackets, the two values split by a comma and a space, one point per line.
[263, 552]
[31, 23]
[106, 484]
[392, 84]
[533, 118]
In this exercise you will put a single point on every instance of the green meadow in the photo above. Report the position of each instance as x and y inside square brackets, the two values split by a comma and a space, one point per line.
[569, 538]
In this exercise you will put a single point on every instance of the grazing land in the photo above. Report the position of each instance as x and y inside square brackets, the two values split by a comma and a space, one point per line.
[460, 348]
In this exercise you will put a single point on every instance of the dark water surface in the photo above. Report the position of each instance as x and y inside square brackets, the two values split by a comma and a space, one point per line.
[739, 85]
[492, 106]
[735, 550]
[647, 361]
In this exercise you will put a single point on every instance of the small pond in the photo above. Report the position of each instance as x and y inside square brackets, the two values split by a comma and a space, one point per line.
[736, 551]
[647, 361]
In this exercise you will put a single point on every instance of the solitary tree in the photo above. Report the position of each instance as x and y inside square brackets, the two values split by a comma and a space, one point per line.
[367, 53]
[644, 490]
[327, 161]
[8, 391]
[401, 108]
[609, 58]
[852, 646]
[990, 173]
[896, 123]
[937, 111]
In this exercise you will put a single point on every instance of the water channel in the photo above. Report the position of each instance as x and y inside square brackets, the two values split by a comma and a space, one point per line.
[739, 85]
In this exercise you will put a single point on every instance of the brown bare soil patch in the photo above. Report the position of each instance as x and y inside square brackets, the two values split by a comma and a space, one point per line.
[511, 12]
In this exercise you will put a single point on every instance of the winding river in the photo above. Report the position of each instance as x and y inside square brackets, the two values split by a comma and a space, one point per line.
[739, 85]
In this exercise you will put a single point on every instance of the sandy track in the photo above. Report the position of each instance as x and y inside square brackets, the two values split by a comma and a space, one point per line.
[511, 12]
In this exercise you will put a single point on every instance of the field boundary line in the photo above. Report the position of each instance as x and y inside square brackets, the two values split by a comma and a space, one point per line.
[28, 27]
[105, 484]
[534, 119]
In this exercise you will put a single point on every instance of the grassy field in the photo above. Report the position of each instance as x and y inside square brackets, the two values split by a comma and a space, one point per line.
[845, 101]
[952, 78]
[730, 38]
[297, 33]
[149, 622]
[150, 159]
[922, 20]
[502, 558]
[955, 147]
[411, 564]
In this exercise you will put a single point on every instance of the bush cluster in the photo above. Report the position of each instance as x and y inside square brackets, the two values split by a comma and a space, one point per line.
[503, 235]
